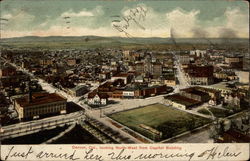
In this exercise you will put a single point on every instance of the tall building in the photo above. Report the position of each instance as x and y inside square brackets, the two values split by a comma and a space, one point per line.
[156, 69]
[184, 59]
[37, 104]
[200, 75]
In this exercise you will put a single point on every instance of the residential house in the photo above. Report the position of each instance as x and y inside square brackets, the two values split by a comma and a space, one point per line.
[95, 98]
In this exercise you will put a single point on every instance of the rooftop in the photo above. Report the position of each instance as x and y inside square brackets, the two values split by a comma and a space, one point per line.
[220, 86]
[194, 91]
[101, 95]
[121, 75]
[182, 100]
[200, 71]
[39, 99]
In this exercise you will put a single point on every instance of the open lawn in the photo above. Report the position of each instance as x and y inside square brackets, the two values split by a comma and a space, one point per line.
[162, 118]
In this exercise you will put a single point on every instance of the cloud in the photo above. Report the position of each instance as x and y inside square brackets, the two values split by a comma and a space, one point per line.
[79, 14]
[187, 24]
[18, 21]
[182, 21]
[7, 16]
[233, 23]
[237, 22]
[84, 13]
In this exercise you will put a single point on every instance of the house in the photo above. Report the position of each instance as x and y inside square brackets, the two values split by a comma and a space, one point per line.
[231, 99]
[213, 102]
[95, 98]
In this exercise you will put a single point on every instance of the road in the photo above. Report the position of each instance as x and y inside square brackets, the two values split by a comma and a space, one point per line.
[121, 105]
[95, 114]
[183, 83]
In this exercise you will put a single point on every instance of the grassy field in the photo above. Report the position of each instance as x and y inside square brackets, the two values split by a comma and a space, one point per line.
[216, 112]
[167, 120]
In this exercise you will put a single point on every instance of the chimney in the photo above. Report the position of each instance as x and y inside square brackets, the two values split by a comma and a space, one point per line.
[30, 97]
[30, 94]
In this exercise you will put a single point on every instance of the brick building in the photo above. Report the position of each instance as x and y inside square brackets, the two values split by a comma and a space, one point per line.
[37, 104]
[200, 75]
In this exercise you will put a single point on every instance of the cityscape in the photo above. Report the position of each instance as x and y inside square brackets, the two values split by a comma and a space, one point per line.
[122, 83]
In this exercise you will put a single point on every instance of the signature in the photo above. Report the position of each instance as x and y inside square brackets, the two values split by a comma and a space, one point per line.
[214, 153]
[136, 15]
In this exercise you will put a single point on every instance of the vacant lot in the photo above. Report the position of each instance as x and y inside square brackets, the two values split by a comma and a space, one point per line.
[162, 118]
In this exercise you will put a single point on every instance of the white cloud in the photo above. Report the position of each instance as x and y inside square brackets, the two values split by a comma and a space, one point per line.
[78, 14]
[156, 24]
[237, 21]
[182, 21]
[7, 16]
[235, 24]
[84, 13]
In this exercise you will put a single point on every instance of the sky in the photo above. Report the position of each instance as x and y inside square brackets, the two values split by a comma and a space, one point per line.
[158, 18]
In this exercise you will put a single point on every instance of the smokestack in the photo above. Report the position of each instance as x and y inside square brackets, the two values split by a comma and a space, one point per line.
[30, 94]
[30, 97]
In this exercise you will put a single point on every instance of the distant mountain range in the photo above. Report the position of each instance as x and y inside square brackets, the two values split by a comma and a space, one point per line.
[151, 40]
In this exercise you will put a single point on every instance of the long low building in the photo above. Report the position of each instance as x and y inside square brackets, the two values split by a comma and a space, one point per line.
[179, 101]
[37, 104]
